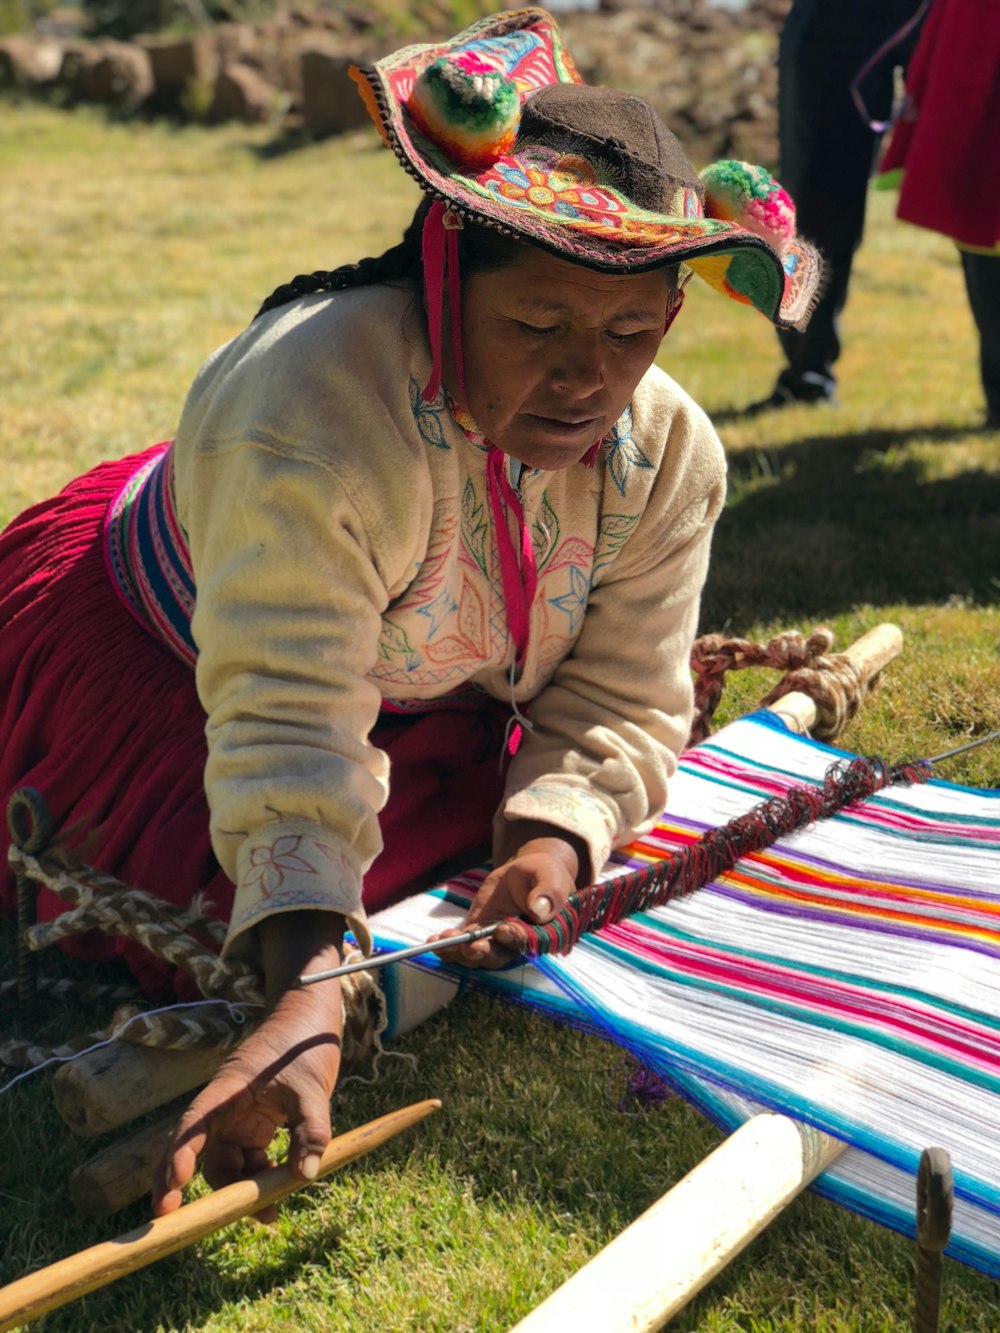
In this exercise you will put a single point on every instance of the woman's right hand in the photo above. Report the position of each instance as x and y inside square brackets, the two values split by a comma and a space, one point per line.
[284, 1073]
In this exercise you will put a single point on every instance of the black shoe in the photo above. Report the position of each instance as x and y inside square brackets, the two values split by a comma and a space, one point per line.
[784, 397]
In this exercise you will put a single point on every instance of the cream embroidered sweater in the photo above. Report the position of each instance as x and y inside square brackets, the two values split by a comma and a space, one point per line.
[344, 553]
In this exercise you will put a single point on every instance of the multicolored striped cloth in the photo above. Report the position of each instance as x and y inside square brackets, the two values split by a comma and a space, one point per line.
[848, 976]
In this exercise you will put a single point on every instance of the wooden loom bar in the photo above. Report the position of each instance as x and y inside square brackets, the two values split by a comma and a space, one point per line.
[654, 1267]
[32, 1296]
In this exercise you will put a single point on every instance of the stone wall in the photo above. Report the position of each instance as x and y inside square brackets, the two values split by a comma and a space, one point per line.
[708, 68]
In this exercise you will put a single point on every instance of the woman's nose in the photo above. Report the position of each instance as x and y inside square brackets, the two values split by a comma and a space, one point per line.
[578, 366]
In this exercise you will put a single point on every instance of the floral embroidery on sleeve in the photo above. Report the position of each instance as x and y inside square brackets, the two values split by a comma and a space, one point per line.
[271, 862]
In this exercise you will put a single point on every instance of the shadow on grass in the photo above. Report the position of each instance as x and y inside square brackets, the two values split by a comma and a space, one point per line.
[827, 523]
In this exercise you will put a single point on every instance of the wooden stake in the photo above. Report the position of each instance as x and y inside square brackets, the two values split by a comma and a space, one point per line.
[123, 1171]
[869, 654]
[38, 1293]
[106, 1088]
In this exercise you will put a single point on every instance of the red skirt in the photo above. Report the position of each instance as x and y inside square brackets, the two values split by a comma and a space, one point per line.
[105, 722]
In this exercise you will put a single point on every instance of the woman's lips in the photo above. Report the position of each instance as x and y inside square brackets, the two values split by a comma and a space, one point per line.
[571, 426]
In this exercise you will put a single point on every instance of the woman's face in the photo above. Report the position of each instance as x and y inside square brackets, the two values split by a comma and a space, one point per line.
[554, 351]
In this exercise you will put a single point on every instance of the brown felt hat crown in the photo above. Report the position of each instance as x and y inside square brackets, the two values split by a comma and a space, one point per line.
[621, 131]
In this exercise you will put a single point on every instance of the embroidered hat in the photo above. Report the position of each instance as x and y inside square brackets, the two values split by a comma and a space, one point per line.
[498, 126]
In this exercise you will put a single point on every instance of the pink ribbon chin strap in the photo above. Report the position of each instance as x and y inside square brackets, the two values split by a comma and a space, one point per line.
[517, 569]
[439, 251]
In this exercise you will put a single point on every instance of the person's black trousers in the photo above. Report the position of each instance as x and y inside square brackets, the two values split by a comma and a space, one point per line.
[828, 152]
[982, 282]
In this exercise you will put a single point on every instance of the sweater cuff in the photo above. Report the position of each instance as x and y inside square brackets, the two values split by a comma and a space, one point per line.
[294, 866]
[576, 810]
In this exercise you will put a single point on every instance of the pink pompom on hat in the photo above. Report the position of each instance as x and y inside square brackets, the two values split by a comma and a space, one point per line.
[497, 125]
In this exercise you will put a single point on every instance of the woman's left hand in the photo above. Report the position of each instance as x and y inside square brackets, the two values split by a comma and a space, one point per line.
[534, 882]
[282, 1074]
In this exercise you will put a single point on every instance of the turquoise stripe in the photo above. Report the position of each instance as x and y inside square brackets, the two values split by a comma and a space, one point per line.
[788, 1009]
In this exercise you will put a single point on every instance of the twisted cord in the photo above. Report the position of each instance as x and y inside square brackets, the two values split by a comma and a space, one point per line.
[194, 1029]
[64, 989]
[832, 680]
[76, 882]
[99, 901]
[716, 851]
[105, 903]
[17, 1054]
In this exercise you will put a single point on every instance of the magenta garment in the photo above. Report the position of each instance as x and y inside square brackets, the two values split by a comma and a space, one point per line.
[105, 722]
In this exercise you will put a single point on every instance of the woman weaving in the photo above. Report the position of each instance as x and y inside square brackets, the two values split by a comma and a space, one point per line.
[422, 508]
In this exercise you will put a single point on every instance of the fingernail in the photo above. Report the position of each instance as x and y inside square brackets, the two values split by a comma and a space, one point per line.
[309, 1166]
[541, 908]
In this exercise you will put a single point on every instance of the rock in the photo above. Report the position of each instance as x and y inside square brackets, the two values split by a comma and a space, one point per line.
[707, 67]
[242, 94]
[122, 76]
[330, 99]
[233, 41]
[29, 63]
[79, 59]
[179, 66]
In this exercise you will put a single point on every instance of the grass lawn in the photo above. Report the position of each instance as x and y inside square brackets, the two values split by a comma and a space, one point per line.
[129, 253]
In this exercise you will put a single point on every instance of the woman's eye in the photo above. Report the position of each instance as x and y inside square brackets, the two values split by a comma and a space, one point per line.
[625, 337]
[536, 330]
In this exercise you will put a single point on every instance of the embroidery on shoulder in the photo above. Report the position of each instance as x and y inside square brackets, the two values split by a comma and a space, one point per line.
[428, 417]
[614, 532]
[574, 602]
[474, 526]
[622, 455]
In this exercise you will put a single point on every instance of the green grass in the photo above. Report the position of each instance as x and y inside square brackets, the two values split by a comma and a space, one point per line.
[130, 252]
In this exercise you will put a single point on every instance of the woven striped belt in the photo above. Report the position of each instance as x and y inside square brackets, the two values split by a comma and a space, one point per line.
[147, 554]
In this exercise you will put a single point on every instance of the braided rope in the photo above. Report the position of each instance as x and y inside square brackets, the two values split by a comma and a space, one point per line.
[17, 1054]
[831, 680]
[716, 851]
[82, 884]
[65, 989]
[192, 1029]
[107, 904]
[99, 901]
